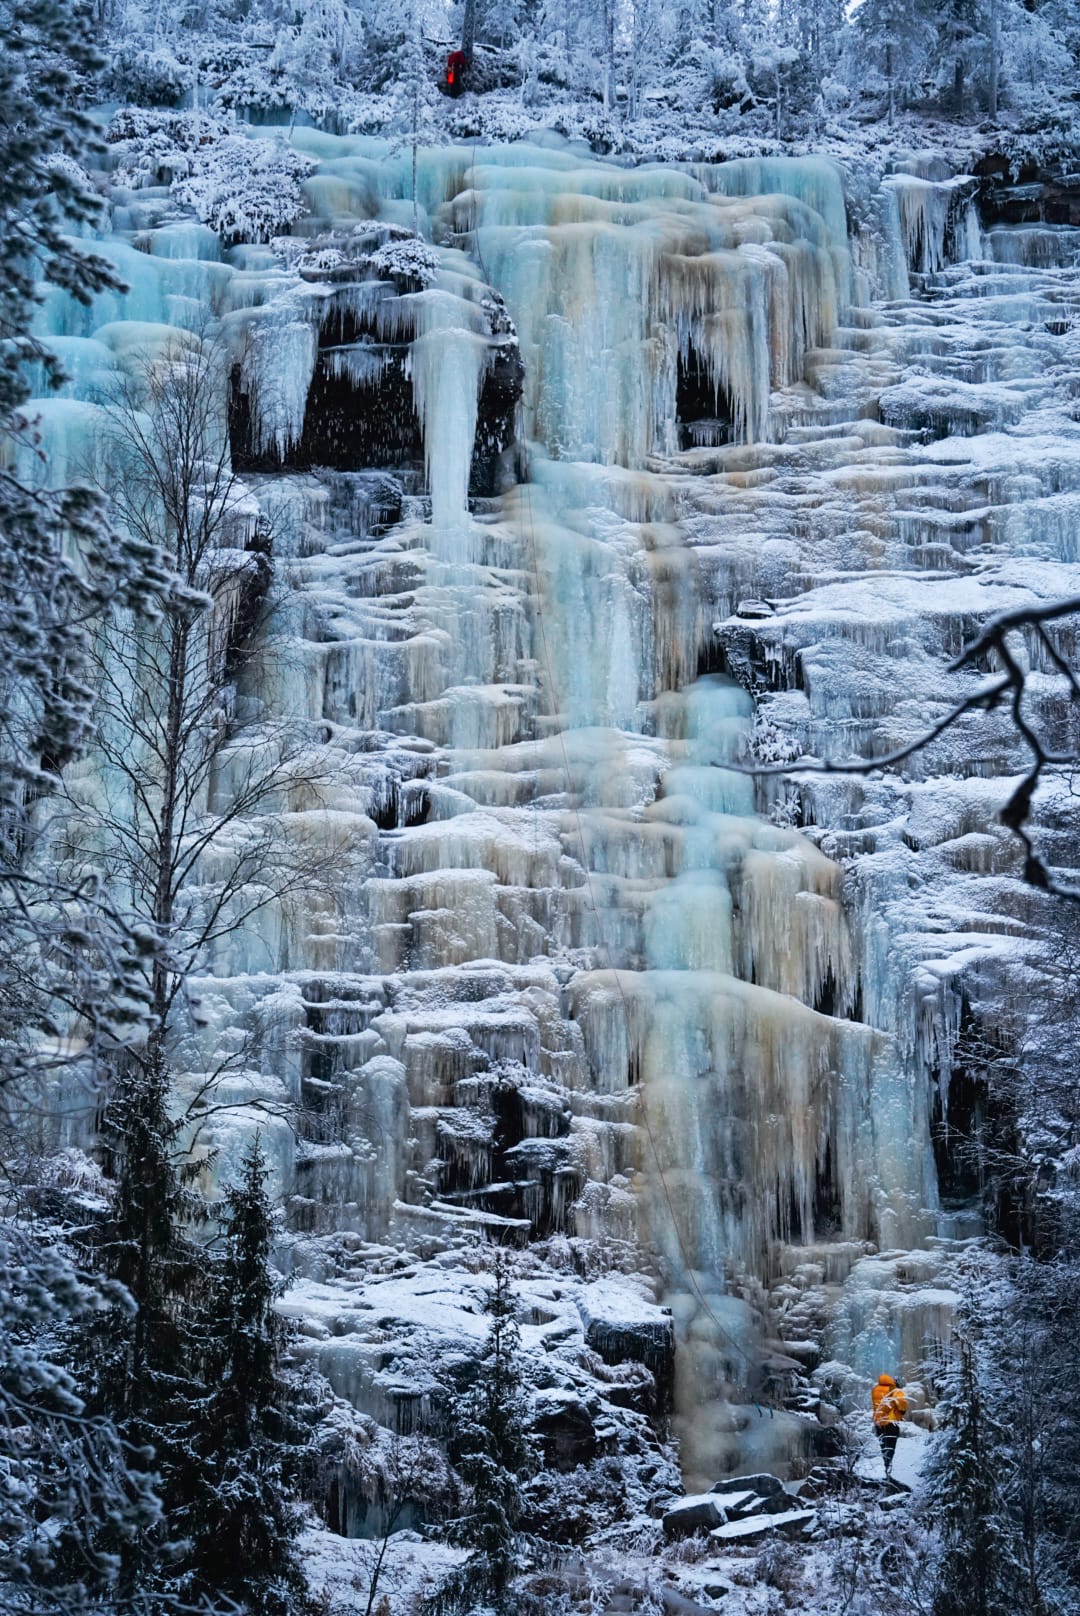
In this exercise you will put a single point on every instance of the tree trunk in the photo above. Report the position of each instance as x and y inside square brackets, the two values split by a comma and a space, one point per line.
[164, 853]
[415, 143]
[995, 53]
[608, 22]
[468, 31]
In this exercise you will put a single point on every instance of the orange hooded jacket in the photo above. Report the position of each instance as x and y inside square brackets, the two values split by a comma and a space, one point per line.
[890, 1404]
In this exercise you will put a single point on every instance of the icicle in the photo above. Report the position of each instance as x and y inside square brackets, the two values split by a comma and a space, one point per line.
[277, 365]
[447, 359]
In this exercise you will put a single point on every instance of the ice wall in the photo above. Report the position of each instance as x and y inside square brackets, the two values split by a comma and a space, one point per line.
[566, 976]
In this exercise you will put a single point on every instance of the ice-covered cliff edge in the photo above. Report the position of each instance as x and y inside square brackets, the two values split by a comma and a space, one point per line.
[743, 477]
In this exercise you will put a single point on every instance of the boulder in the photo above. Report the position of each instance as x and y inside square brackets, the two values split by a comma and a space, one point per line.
[821, 1481]
[699, 1512]
[744, 1503]
[678, 1604]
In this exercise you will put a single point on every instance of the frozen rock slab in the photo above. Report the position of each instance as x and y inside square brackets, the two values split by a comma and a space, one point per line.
[908, 1461]
[743, 1498]
[790, 1522]
[622, 1327]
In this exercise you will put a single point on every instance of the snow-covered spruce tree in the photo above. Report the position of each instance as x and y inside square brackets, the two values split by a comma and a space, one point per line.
[971, 1469]
[141, 1363]
[1034, 1353]
[889, 47]
[491, 1451]
[65, 1474]
[251, 1435]
[1017, 1145]
[192, 1376]
[414, 95]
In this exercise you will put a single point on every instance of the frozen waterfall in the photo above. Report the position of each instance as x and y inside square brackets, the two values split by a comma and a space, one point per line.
[643, 473]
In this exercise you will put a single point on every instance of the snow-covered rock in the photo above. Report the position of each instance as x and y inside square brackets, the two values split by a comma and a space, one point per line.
[699, 1512]
[789, 1522]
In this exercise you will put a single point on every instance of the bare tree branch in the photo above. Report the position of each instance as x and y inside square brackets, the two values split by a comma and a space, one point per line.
[1010, 685]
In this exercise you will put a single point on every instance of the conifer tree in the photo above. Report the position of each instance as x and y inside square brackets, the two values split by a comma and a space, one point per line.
[891, 41]
[491, 1451]
[969, 1476]
[252, 1438]
[414, 93]
[64, 1473]
[63, 952]
[143, 1363]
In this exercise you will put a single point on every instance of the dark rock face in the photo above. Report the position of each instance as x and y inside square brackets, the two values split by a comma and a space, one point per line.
[1026, 196]
[499, 397]
[620, 1331]
[360, 410]
[520, 1168]
[565, 1426]
[255, 586]
[704, 415]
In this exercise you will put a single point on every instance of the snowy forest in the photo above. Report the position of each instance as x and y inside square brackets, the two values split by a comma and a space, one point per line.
[539, 847]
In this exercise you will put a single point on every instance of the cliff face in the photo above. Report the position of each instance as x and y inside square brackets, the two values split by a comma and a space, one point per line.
[632, 479]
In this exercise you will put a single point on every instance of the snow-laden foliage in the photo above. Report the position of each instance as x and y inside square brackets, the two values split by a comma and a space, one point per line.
[407, 259]
[623, 76]
[63, 1470]
[63, 951]
[245, 190]
[241, 1516]
[491, 1449]
[155, 147]
[65, 957]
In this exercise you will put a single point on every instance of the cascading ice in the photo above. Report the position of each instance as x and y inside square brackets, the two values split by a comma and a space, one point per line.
[561, 977]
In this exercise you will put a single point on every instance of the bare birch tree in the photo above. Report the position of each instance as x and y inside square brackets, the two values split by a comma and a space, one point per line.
[184, 818]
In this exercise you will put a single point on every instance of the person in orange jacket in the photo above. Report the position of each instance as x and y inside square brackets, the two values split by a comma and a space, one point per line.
[890, 1406]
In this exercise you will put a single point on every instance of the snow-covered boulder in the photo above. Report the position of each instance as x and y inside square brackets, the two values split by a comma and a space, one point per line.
[698, 1512]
